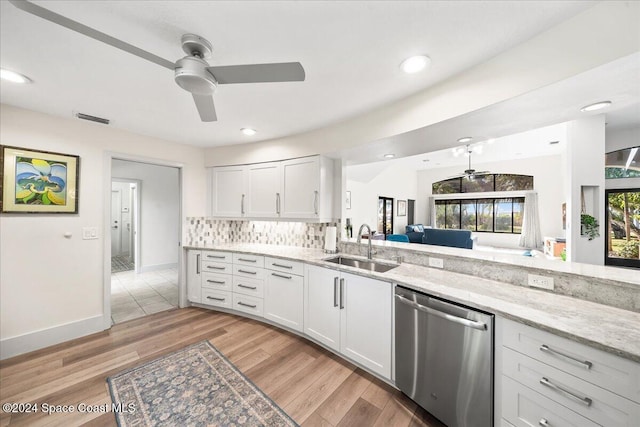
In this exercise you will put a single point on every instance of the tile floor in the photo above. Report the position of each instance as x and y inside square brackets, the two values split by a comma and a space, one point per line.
[136, 295]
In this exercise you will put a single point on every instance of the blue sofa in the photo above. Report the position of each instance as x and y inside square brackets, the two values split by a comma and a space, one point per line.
[440, 237]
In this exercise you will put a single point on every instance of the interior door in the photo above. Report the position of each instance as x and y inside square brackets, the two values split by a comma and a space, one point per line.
[116, 221]
[623, 227]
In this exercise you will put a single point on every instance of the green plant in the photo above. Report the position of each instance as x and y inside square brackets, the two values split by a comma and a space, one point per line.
[589, 226]
[629, 249]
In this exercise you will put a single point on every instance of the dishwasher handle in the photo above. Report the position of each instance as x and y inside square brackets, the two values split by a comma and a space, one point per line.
[462, 321]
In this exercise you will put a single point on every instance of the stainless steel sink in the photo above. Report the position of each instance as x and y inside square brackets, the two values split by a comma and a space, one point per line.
[362, 264]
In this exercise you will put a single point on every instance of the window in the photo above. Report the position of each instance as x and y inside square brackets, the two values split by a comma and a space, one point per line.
[502, 215]
[483, 183]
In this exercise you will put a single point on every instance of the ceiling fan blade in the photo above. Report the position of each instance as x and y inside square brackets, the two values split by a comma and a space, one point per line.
[207, 111]
[89, 32]
[258, 73]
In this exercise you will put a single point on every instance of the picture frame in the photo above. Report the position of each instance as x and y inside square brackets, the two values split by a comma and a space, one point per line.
[402, 208]
[36, 181]
[348, 200]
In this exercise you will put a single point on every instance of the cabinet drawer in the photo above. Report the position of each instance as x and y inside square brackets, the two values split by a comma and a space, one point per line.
[523, 407]
[248, 304]
[217, 256]
[586, 399]
[216, 267]
[618, 375]
[284, 265]
[249, 272]
[217, 281]
[251, 260]
[217, 298]
[251, 287]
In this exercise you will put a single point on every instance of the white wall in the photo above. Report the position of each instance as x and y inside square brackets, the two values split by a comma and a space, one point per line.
[370, 181]
[159, 211]
[548, 178]
[47, 280]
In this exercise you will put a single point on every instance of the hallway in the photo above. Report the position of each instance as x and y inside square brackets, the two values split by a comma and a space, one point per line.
[136, 295]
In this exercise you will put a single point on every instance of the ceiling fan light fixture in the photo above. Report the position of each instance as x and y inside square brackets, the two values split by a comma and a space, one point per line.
[415, 64]
[248, 131]
[595, 106]
[12, 76]
[464, 139]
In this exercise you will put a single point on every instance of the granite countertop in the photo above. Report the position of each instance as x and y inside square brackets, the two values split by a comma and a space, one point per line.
[603, 327]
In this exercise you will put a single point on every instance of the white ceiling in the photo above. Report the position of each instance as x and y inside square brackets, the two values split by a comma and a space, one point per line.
[350, 51]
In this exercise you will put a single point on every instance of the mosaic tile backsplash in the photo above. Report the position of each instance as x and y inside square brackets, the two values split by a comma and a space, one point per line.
[209, 231]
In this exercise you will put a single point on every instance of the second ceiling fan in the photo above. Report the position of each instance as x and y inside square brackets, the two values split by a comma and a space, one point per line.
[192, 73]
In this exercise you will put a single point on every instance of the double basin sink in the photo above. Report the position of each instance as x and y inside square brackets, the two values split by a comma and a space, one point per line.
[362, 264]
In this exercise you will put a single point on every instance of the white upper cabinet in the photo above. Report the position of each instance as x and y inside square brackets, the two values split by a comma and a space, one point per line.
[227, 191]
[291, 189]
[263, 190]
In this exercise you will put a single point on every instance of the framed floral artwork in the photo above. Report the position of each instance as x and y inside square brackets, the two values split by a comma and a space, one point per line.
[35, 181]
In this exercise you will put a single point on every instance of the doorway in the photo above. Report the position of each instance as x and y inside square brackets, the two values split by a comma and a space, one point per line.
[124, 225]
[144, 233]
[623, 227]
[385, 215]
[411, 211]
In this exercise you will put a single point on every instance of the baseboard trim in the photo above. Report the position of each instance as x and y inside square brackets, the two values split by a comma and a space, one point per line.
[10, 347]
[157, 267]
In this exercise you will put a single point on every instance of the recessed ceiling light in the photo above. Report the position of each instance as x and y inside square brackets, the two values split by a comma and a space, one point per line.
[465, 139]
[389, 156]
[14, 77]
[248, 131]
[554, 142]
[596, 106]
[415, 63]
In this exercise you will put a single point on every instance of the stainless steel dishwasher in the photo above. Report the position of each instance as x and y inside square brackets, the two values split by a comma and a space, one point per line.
[444, 358]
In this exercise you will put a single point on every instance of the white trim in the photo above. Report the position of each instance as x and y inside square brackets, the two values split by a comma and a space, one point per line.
[158, 267]
[106, 280]
[31, 341]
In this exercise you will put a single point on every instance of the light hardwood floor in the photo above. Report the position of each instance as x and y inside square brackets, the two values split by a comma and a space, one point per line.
[315, 387]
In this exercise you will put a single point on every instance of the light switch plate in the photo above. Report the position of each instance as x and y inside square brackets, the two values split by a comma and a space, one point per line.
[542, 282]
[89, 233]
[436, 262]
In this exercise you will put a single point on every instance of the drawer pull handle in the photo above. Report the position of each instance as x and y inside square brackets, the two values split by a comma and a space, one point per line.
[218, 282]
[216, 256]
[544, 423]
[584, 400]
[197, 263]
[335, 291]
[217, 299]
[247, 305]
[213, 267]
[247, 272]
[547, 349]
[282, 266]
[240, 285]
[247, 260]
[281, 275]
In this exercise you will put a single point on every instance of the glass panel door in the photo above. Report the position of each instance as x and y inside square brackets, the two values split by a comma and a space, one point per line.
[623, 227]
[385, 215]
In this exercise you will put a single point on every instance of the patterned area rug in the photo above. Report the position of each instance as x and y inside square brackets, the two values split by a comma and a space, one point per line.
[195, 386]
[121, 263]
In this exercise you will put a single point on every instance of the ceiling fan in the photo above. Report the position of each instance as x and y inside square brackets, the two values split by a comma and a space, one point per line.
[192, 73]
[470, 173]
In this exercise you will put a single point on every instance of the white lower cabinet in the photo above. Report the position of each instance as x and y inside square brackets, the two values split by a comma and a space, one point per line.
[284, 293]
[217, 298]
[548, 380]
[350, 314]
[251, 305]
[194, 276]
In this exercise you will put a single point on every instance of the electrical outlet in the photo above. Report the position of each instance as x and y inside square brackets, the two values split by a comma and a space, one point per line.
[89, 233]
[543, 282]
[436, 262]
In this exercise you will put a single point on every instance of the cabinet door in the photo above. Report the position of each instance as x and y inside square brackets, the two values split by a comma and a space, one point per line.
[194, 276]
[321, 306]
[284, 299]
[366, 322]
[263, 193]
[228, 198]
[301, 188]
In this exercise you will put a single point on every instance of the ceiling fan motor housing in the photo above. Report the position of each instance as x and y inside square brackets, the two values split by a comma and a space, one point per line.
[191, 75]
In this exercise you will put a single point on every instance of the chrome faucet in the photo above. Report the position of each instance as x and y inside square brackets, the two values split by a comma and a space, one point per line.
[369, 250]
